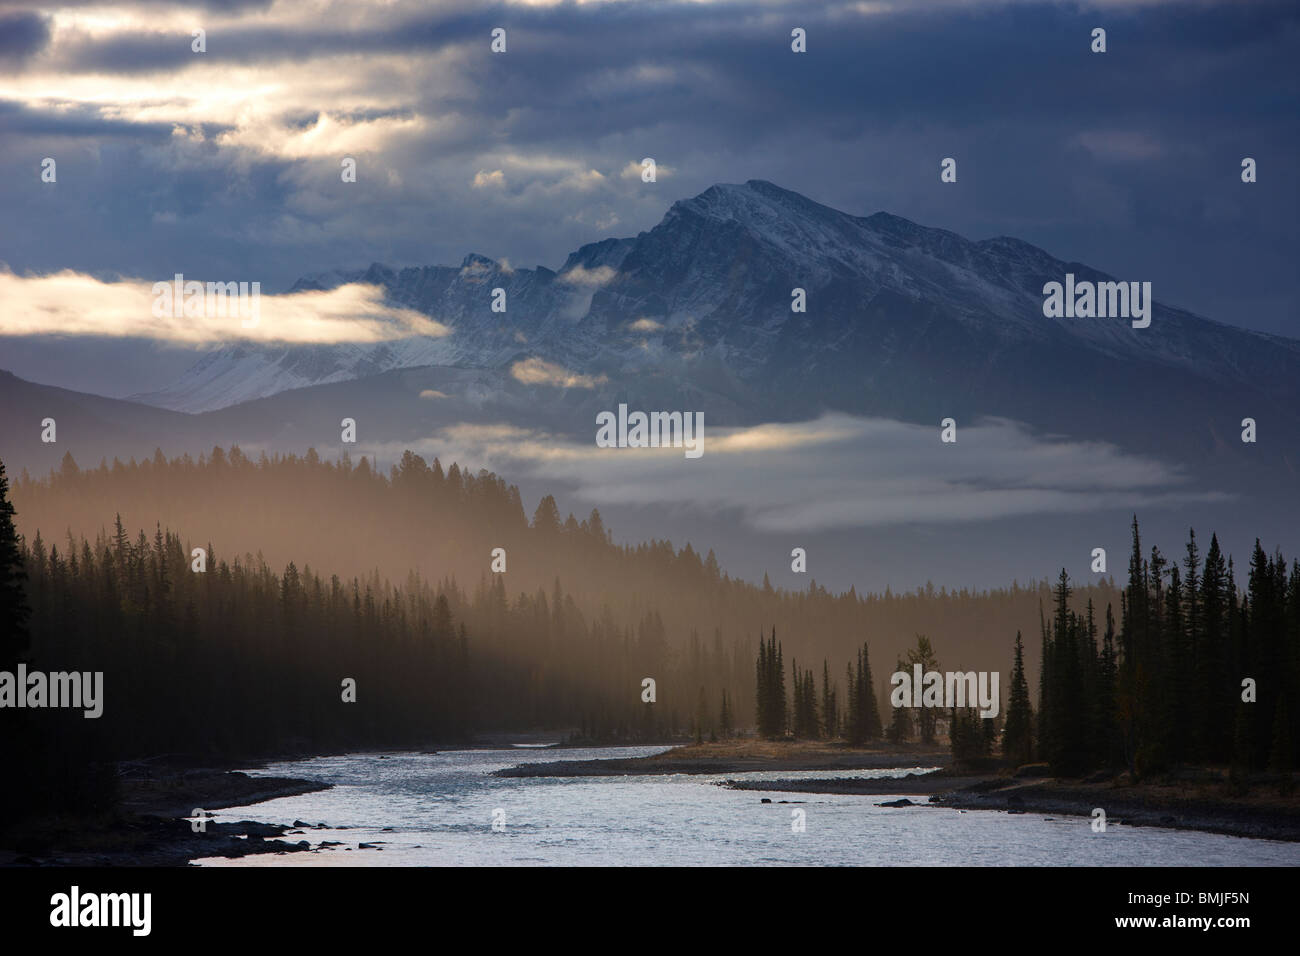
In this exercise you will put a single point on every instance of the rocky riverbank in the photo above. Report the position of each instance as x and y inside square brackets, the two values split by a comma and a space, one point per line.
[1179, 805]
[1196, 799]
[148, 829]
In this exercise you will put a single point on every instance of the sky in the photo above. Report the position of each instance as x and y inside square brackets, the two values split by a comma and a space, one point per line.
[225, 165]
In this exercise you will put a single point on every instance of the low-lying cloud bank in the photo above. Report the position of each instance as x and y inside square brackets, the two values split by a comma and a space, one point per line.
[836, 471]
[70, 303]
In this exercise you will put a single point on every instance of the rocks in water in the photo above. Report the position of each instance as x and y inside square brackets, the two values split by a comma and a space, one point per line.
[904, 802]
[767, 800]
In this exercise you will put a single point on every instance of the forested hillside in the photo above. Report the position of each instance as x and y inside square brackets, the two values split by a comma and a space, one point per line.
[260, 645]
[443, 523]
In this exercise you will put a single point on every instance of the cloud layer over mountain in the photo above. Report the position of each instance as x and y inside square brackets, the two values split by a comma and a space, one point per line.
[228, 162]
[838, 471]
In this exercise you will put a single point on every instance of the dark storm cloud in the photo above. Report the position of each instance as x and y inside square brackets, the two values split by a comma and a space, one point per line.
[76, 121]
[161, 51]
[1128, 160]
[22, 34]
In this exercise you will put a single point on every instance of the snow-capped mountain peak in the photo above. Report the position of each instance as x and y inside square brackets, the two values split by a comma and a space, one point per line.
[709, 291]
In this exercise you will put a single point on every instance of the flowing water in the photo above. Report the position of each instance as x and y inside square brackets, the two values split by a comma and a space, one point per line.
[438, 809]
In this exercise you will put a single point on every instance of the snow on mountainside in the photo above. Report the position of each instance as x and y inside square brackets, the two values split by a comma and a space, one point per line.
[705, 296]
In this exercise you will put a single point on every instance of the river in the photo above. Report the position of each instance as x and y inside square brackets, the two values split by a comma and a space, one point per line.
[417, 809]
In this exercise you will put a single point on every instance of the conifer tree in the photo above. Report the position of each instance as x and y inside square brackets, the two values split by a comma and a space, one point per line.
[869, 713]
[923, 654]
[1017, 735]
[15, 737]
[900, 724]
[14, 611]
[1215, 708]
[1107, 675]
[830, 715]
[780, 713]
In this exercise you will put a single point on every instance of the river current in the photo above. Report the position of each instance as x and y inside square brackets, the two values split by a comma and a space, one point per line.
[405, 809]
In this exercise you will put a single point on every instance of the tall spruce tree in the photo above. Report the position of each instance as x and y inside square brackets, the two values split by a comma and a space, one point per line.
[1018, 735]
[900, 723]
[15, 736]
[1216, 728]
[781, 716]
[869, 713]
[14, 611]
[923, 654]
[770, 696]
[1107, 675]
[830, 715]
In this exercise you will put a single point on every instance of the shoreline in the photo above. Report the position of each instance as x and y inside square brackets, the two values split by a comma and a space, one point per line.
[1201, 806]
[149, 828]
[738, 757]
[1142, 805]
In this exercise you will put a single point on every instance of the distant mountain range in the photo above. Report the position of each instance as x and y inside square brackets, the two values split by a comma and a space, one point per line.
[707, 293]
[902, 321]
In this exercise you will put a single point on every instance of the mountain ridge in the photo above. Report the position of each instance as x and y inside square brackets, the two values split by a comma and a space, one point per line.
[715, 273]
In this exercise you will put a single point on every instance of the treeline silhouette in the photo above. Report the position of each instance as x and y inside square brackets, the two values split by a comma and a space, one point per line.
[1197, 671]
[238, 661]
[858, 723]
[442, 523]
[805, 717]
